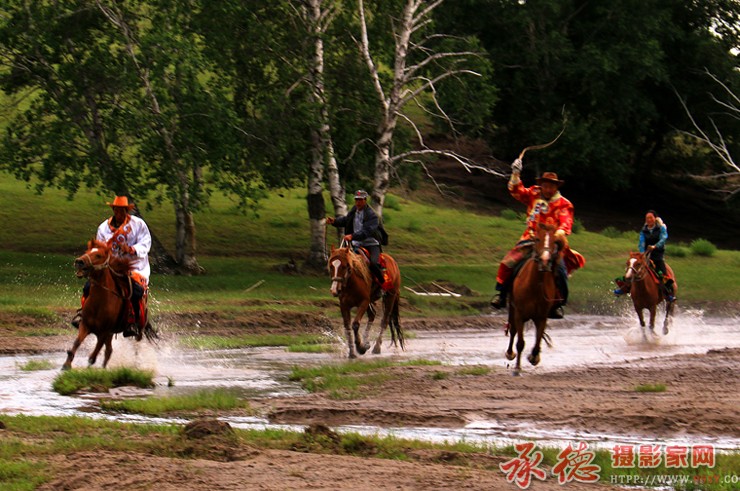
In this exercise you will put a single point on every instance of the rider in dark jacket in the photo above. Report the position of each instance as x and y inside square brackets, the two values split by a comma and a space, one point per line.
[361, 230]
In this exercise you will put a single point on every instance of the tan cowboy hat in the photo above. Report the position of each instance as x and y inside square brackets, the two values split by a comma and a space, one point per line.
[550, 177]
[121, 201]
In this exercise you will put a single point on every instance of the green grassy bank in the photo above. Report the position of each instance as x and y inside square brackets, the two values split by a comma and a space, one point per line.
[41, 234]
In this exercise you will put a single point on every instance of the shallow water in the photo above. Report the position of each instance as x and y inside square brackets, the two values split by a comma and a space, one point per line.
[579, 340]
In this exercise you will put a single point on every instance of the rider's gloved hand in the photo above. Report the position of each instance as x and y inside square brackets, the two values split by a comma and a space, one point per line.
[127, 249]
[329, 220]
[348, 238]
[516, 167]
[560, 236]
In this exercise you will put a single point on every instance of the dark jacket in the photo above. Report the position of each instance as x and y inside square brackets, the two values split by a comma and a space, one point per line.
[369, 224]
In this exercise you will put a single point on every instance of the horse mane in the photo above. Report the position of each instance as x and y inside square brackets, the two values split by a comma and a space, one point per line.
[357, 263]
[119, 265]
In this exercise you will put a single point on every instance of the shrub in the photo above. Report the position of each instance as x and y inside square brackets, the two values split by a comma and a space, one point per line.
[676, 250]
[391, 202]
[702, 247]
[509, 214]
[578, 226]
[611, 232]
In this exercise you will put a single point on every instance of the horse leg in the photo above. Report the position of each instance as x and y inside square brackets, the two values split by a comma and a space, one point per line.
[653, 311]
[356, 327]
[348, 333]
[519, 348]
[512, 334]
[108, 349]
[94, 355]
[668, 317]
[534, 356]
[82, 333]
[366, 335]
[388, 305]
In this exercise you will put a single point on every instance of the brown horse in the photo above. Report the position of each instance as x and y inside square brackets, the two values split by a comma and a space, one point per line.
[646, 291]
[533, 294]
[105, 312]
[352, 282]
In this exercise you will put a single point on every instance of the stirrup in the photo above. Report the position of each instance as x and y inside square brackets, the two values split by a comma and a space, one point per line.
[498, 301]
[131, 330]
[556, 313]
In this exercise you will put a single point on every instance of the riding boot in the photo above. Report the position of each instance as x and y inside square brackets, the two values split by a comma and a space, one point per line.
[77, 319]
[499, 300]
[670, 297]
[378, 274]
[132, 327]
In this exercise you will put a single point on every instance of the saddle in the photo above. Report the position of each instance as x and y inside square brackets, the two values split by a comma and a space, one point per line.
[386, 284]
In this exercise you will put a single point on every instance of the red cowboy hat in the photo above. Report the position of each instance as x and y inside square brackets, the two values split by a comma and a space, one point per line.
[121, 201]
[549, 177]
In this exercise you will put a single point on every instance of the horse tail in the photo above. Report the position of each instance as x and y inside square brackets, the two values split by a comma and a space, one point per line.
[395, 326]
[547, 339]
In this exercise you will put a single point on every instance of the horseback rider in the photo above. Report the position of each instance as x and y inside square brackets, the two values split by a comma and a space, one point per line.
[544, 202]
[127, 235]
[362, 229]
[653, 236]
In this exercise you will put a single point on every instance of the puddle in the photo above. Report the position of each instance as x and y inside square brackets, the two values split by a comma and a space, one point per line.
[578, 341]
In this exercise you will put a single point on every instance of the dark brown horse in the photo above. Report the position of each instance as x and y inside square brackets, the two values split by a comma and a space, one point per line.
[352, 282]
[533, 294]
[105, 312]
[646, 292]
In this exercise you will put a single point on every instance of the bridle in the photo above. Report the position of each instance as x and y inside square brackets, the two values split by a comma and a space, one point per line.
[89, 266]
[638, 270]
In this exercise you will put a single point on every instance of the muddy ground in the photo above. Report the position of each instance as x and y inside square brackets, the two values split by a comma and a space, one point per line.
[702, 399]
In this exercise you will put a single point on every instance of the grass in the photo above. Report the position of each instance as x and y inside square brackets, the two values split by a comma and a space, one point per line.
[101, 380]
[349, 380]
[292, 342]
[29, 443]
[36, 365]
[215, 399]
[240, 250]
[650, 388]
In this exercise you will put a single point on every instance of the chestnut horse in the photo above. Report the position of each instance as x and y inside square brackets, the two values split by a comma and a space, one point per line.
[352, 282]
[646, 292]
[105, 312]
[533, 294]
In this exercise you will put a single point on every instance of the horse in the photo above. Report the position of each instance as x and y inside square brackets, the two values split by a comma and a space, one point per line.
[533, 295]
[352, 282]
[645, 290]
[105, 311]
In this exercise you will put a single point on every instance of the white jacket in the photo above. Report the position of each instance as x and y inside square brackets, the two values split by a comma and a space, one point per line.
[135, 233]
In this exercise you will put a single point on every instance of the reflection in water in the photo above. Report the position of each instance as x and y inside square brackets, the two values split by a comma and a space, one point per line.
[263, 372]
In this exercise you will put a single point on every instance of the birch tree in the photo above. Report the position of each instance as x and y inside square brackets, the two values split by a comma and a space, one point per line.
[317, 16]
[420, 62]
[729, 106]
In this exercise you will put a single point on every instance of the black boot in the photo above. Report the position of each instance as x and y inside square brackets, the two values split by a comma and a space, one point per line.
[132, 328]
[499, 300]
[77, 319]
[556, 312]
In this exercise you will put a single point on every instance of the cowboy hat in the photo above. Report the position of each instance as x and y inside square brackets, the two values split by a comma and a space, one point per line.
[121, 201]
[549, 177]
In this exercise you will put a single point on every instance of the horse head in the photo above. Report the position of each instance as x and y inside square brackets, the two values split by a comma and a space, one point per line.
[636, 266]
[96, 257]
[546, 248]
[339, 268]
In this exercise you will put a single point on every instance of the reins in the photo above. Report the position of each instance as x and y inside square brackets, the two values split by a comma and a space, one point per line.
[106, 265]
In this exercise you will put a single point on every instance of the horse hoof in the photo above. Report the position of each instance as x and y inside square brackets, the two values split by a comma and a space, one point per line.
[352, 356]
[665, 331]
[534, 360]
[66, 367]
[516, 373]
[510, 355]
[361, 350]
[376, 350]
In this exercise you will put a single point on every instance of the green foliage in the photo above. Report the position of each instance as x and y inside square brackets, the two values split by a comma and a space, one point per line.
[253, 341]
[611, 232]
[676, 250]
[509, 214]
[21, 474]
[391, 203]
[212, 399]
[702, 247]
[100, 380]
[34, 365]
[578, 226]
[650, 388]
